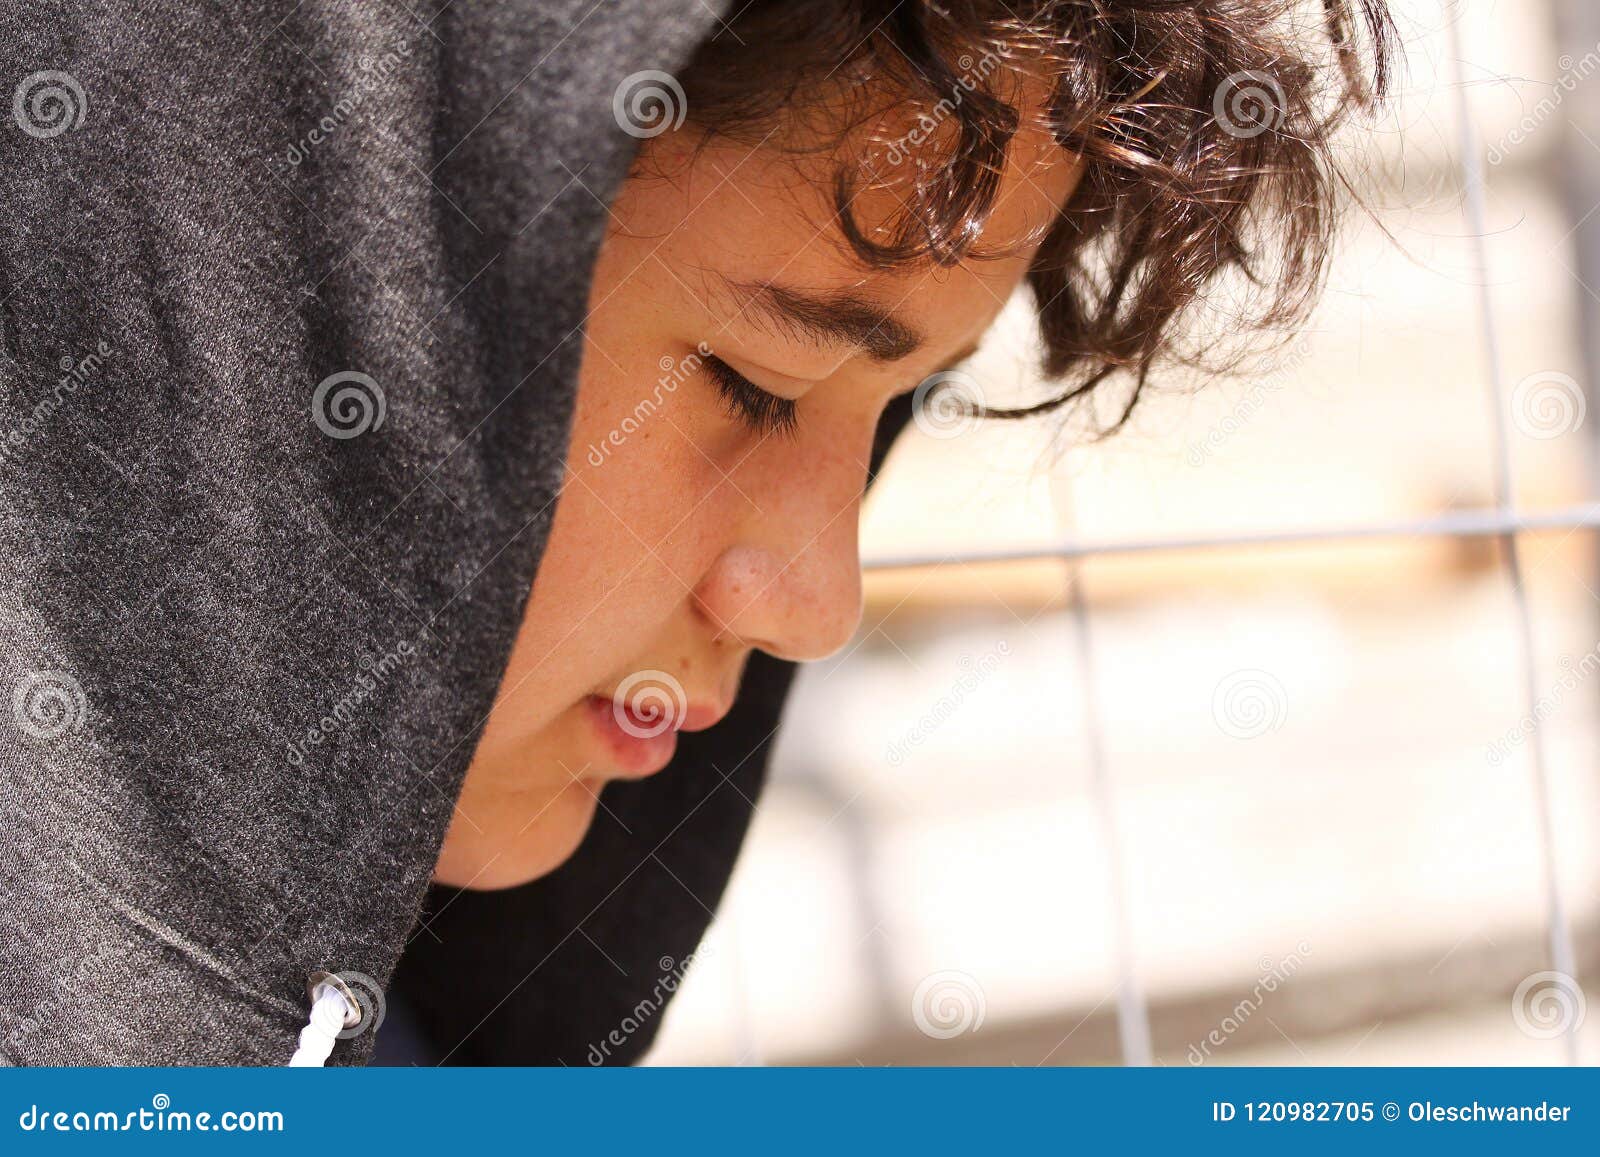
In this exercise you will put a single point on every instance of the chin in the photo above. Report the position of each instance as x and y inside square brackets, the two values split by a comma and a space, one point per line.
[519, 848]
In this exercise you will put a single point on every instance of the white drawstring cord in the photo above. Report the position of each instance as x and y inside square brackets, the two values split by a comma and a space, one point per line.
[330, 1012]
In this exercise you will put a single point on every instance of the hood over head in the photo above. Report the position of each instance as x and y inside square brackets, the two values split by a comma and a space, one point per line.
[291, 298]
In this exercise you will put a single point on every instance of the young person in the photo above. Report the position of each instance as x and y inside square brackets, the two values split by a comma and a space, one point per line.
[819, 208]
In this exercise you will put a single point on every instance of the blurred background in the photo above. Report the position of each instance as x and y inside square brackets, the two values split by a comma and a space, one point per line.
[1182, 796]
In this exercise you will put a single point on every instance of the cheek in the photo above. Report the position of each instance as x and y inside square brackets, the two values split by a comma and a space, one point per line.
[644, 477]
[636, 523]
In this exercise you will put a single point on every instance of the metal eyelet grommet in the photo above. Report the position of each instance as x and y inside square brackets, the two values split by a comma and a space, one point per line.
[353, 1007]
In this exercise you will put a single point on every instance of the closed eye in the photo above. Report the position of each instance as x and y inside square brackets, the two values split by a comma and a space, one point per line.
[762, 412]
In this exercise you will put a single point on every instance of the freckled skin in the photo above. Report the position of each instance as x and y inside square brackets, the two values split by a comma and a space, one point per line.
[696, 539]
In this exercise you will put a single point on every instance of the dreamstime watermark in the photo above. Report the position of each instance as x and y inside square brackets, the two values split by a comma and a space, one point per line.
[1547, 1005]
[1547, 404]
[947, 404]
[648, 703]
[947, 1004]
[371, 78]
[1249, 103]
[1272, 974]
[972, 74]
[160, 1117]
[672, 972]
[973, 673]
[76, 373]
[649, 103]
[1572, 675]
[1249, 703]
[348, 404]
[48, 704]
[375, 672]
[47, 104]
[1572, 72]
[674, 372]
[1250, 404]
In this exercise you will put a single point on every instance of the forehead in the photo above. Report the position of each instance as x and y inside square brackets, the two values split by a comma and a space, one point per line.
[717, 211]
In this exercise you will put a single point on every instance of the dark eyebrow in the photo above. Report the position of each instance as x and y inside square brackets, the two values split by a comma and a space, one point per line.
[832, 317]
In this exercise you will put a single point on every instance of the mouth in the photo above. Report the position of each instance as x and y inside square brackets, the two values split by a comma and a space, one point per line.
[639, 733]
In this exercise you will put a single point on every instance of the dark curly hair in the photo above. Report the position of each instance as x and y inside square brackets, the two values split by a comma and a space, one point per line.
[1204, 127]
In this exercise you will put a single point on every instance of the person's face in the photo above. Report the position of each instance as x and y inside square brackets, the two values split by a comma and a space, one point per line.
[702, 518]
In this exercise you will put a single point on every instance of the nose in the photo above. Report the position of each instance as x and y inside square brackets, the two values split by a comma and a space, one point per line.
[788, 580]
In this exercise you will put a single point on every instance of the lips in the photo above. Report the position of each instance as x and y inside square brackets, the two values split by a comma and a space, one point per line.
[639, 739]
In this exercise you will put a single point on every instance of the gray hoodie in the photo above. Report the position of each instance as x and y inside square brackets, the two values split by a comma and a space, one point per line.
[290, 297]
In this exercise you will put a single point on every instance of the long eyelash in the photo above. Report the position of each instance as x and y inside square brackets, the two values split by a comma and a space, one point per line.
[763, 412]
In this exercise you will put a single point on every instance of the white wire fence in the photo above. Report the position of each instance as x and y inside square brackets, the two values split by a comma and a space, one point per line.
[1502, 522]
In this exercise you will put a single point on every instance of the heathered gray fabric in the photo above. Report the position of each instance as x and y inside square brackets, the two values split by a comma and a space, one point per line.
[195, 575]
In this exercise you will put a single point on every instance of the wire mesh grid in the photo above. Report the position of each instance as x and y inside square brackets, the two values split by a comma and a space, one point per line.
[1503, 522]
